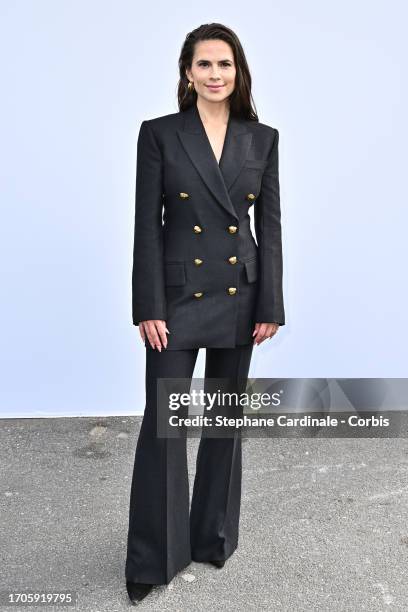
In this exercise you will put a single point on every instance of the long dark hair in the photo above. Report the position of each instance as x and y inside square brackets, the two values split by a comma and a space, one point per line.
[241, 101]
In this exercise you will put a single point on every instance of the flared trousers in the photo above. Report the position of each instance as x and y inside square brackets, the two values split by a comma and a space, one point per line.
[164, 534]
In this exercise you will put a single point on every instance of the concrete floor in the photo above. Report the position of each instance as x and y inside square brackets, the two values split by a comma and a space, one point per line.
[324, 523]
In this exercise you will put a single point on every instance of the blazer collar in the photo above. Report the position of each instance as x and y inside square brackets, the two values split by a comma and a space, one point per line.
[218, 178]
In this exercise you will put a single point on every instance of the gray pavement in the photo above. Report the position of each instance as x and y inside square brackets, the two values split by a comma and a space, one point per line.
[323, 522]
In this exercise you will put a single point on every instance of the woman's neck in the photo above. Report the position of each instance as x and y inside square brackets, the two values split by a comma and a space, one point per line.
[213, 113]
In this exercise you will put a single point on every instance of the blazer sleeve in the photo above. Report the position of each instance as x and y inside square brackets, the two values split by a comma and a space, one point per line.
[148, 289]
[267, 220]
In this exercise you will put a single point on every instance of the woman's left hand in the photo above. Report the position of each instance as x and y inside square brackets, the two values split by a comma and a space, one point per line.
[263, 331]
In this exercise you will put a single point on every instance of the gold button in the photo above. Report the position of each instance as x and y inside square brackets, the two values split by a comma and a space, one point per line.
[183, 195]
[232, 290]
[197, 229]
[232, 260]
[198, 262]
[198, 294]
[251, 197]
[232, 229]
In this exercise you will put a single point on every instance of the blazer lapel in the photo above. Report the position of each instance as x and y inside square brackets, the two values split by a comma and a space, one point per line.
[218, 178]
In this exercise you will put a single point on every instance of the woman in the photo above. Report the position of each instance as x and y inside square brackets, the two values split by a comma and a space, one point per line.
[200, 281]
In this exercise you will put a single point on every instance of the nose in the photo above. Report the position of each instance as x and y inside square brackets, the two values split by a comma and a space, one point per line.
[214, 74]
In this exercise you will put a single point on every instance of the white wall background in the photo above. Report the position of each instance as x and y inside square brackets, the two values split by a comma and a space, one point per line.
[78, 77]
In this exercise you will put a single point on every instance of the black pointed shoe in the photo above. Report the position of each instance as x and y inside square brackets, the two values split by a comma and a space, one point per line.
[218, 563]
[137, 591]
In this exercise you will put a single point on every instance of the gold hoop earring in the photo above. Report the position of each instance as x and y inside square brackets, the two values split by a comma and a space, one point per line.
[190, 86]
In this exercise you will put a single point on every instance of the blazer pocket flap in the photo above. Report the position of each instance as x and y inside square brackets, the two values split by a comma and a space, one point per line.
[251, 268]
[175, 273]
[259, 164]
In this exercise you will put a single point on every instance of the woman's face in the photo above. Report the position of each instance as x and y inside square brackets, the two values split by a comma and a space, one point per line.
[213, 64]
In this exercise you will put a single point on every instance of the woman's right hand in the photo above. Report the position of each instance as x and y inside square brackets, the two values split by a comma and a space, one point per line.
[155, 330]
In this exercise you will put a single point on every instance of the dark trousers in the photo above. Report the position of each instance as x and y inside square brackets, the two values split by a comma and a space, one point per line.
[163, 535]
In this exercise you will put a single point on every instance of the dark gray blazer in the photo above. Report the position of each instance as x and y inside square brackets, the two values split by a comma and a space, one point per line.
[196, 264]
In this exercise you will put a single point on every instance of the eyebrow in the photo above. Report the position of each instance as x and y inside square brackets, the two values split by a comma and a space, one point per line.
[202, 59]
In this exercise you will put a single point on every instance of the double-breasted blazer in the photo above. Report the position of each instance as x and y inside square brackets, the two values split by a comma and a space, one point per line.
[196, 263]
